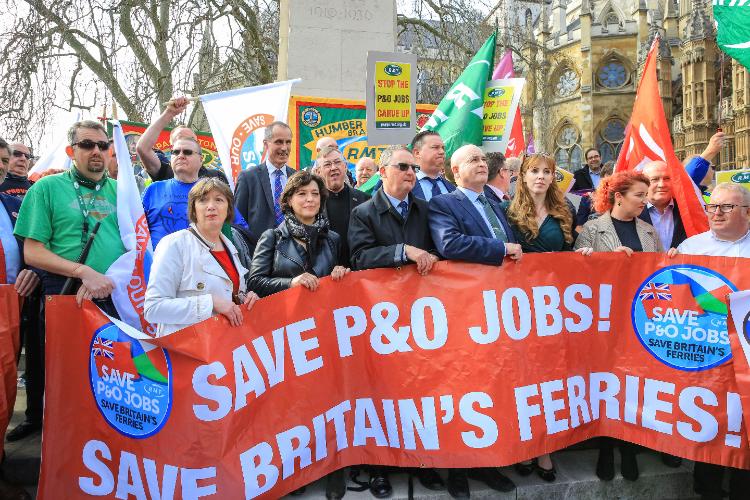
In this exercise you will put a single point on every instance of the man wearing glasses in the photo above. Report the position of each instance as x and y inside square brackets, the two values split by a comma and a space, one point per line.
[342, 199]
[390, 230]
[165, 202]
[16, 182]
[729, 225]
[498, 178]
[587, 178]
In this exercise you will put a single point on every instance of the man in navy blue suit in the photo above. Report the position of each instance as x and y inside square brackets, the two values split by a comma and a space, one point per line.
[465, 225]
[429, 153]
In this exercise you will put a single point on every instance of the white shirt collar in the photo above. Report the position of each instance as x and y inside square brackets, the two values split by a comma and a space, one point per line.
[737, 241]
[497, 191]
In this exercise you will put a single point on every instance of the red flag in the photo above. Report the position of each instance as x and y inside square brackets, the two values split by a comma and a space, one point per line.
[116, 356]
[647, 139]
[516, 146]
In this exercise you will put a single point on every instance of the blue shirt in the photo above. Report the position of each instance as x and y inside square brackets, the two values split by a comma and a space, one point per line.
[272, 175]
[10, 247]
[166, 203]
[425, 183]
[595, 179]
[663, 223]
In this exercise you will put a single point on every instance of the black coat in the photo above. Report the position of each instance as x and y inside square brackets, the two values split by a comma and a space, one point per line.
[679, 235]
[582, 178]
[279, 258]
[340, 222]
[254, 198]
[377, 232]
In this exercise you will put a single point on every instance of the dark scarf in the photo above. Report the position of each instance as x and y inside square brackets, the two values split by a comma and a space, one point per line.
[85, 181]
[311, 235]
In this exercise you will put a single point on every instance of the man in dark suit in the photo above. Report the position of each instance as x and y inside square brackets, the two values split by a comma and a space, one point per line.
[661, 210]
[342, 199]
[465, 225]
[588, 177]
[498, 178]
[390, 230]
[429, 154]
[259, 188]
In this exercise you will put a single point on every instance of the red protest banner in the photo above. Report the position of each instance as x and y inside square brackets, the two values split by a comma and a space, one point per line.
[469, 366]
[10, 321]
[739, 333]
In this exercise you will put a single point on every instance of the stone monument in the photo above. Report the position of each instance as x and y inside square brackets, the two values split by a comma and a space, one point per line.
[325, 42]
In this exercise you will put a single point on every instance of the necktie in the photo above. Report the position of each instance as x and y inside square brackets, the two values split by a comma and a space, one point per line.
[3, 276]
[403, 209]
[435, 188]
[506, 197]
[277, 188]
[494, 221]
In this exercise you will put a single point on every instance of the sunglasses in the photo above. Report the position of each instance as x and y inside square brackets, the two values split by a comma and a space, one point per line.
[19, 154]
[405, 166]
[88, 145]
[186, 152]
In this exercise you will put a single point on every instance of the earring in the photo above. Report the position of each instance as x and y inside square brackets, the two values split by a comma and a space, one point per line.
[619, 203]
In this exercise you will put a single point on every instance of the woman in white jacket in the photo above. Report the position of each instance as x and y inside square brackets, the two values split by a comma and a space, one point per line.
[196, 271]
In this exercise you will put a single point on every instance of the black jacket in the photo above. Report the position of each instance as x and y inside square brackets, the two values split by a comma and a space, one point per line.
[340, 222]
[279, 258]
[377, 232]
[679, 235]
[583, 179]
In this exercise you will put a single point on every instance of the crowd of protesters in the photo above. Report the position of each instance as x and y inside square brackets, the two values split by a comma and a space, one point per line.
[218, 251]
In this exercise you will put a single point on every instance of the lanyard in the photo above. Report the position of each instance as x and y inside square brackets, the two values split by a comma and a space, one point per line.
[85, 209]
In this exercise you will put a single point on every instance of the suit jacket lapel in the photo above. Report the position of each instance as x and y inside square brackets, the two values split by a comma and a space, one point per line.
[265, 181]
[467, 205]
[417, 191]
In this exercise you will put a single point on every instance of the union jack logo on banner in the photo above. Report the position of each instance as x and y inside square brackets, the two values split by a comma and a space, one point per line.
[656, 291]
[103, 347]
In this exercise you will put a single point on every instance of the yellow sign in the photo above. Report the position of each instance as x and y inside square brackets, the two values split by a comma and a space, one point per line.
[736, 176]
[497, 102]
[564, 179]
[392, 95]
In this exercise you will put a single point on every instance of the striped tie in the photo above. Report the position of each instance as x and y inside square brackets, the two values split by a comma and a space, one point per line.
[494, 221]
[277, 189]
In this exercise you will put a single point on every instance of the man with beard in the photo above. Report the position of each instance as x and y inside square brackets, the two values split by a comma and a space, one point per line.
[341, 198]
[587, 178]
[16, 182]
[259, 188]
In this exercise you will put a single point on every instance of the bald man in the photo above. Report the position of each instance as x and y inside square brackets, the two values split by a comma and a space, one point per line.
[661, 209]
[364, 169]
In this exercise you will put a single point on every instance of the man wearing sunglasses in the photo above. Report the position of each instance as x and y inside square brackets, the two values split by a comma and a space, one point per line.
[155, 162]
[16, 182]
[56, 219]
[165, 202]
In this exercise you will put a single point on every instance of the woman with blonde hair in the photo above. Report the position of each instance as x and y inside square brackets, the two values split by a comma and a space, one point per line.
[542, 221]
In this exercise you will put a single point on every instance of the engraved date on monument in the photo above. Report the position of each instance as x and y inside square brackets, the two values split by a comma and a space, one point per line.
[344, 14]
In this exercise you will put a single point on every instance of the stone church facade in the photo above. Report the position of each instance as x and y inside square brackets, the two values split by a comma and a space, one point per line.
[582, 60]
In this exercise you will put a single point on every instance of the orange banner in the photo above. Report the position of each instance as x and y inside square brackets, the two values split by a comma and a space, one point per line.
[469, 366]
[10, 321]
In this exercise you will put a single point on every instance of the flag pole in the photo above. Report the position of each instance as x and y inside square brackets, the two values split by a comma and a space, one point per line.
[721, 90]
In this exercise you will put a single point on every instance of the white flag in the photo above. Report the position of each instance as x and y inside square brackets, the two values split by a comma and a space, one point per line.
[56, 157]
[130, 272]
[238, 119]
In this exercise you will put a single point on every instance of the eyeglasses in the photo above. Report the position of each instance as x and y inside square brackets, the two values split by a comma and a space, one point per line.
[329, 164]
[19, 154]
[405, 166]
[724, 207]
[88, 145]
[186, 152]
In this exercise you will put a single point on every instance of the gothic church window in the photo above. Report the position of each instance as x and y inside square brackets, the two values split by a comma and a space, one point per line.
[609, 139]
[613, 75]
[611, 19]
[568, 152]
[567, 83]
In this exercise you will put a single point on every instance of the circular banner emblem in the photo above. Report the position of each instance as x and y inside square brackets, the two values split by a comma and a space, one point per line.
[311, 117]
[131, 382]
[680, 316]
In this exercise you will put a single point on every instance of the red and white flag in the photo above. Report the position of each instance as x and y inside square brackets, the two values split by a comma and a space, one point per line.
[504, 69]
[647, 139]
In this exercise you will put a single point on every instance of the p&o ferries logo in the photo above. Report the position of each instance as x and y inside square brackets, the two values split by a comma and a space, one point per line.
[680, 316]
[131, 382]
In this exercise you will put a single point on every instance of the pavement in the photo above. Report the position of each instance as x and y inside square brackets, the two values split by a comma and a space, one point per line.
[575, 476]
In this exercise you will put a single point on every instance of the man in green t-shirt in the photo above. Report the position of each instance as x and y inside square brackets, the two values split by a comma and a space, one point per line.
[60, 211]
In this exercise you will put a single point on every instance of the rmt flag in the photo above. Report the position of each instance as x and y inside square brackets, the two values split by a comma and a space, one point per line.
[647, 139]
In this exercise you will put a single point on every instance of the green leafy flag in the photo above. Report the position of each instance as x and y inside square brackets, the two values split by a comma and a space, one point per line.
[458, 117]
[369, 186]
[733, 32]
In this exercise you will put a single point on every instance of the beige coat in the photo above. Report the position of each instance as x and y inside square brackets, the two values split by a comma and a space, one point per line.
[600, 235]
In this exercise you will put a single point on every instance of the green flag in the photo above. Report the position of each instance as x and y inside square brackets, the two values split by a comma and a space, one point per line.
[733, 33]
[369, 186]
[458, 118]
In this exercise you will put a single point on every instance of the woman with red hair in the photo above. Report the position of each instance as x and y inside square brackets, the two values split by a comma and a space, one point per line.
[620, 198]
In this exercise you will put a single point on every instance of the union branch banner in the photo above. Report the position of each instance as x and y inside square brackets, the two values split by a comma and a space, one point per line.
[469, 366]
[312, 118]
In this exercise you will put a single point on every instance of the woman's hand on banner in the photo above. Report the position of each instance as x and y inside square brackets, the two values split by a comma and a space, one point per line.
[307, 280]
[250, 299]
[672, 253]
[626, 250]
[585, 251]
[228, 309]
